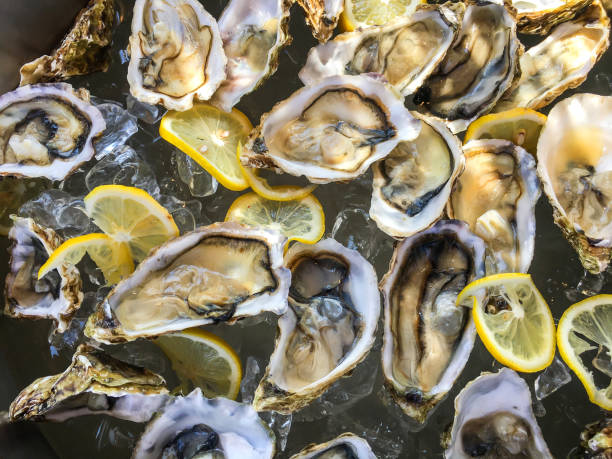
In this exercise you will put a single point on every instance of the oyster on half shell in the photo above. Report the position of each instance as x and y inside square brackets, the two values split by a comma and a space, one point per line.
[345, 446]
[322, 16]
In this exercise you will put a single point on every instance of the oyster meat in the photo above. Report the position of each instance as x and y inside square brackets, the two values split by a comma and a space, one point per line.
[176, 53]
[496, 195]
[57, 295]
[412, 184]
[322, 16]
[94, 383]
[332, 130]
[539, 16]
[427, 339]
[194, 426]
[328, 328]
[596, 440]
[404, 51]
[46, 130]
[221, 272]
[345, 446]
[493, 418]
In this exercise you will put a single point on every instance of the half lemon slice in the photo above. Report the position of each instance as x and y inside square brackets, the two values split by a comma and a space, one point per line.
[366, 13]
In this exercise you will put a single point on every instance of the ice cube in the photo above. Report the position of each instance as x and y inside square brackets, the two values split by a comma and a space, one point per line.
[150, 114]
[551, 379]
[120, 126]
[200, 182]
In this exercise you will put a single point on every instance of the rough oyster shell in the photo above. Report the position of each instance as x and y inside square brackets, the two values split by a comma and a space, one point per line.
[538, 16]
[596, 439]
[322, 16]
[345, 445]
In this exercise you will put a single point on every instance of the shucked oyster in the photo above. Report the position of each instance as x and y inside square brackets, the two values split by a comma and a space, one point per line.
[176, 53]
[345, 446]
[195, 427]
[57, 295]
[221, 272]
[46, 130]
[539, 16]
[427, 339]
[405, 51]
[94, 383]
[331, 131]
[322, 16]
[328, 328]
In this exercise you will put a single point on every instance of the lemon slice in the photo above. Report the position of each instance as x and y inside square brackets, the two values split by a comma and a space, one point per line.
[130, 215]
[201, 359]
[366, 13]
[301, 220]
[586, 328]
[210, 137]
[514, 322]
[113, 258]
[521, 126]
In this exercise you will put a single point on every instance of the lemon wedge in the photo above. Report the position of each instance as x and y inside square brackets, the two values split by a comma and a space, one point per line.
[366, 13]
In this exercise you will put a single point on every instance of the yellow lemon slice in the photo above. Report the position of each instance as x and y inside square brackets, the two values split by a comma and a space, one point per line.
[585, 332]
[301, 220]
[521, 126]
[513, 321]
[130, 215]
[210, 137]
[113, 258]
[366, 13]
[201, 359]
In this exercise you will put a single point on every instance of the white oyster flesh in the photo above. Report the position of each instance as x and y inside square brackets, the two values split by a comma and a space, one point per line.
[404, 51]
[328, 328]
[253, 33]
[220, 272]
[575, 165]
[496, 195]
[493, 418]
[332, 130]
[427, 339]
[478, 69]
[46, 130]
[345, 446]
[322, 16]
[196, 427]
[412, 184]
[55, 296]
[94, 383]
[176, 53]
[562, 61]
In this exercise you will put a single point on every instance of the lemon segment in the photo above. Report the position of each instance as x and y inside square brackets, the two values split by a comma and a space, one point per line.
[513, 320]
[366, 13]
[113, 258]
[300, 220]
[587, 327]
[201, 359]
[210, 137]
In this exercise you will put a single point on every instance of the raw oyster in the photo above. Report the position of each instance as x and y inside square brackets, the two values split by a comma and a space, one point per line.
[427, 339]
[539, 16]
[560, 62]
[412, 184]
[404, 51]
[322, 16]
[575, 166]
[194, 426]
[480, 66]
[57, 295]
[85, 49]
[332, 130]
[345, 446]
[94, 383]
[493, 418]
[220, 272]
[496, 196]
[328, 328]
[46, 130]
[176, 53]
[253, 34]
[597, 440]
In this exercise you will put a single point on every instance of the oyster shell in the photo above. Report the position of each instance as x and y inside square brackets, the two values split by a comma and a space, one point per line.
[220, 272]
[176, 53]
[562, 61]
[347, 445]
[332, 130]
[480, 66]
[597, 440]
[46, 130]
[322, 16]
[427, 339]
[328, 328]
[94, 383]
[215, 428]
[412, 184]
[493, 418]
[405, 51]
[57, 295]
[496, 195]
[253, 34]
[539, 16]
[575, 166]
